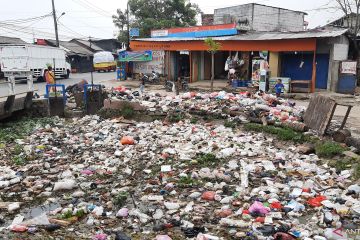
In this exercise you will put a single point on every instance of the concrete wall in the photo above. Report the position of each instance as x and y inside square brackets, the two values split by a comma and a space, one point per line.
[242, 12]
[333, 76]
[261, 18]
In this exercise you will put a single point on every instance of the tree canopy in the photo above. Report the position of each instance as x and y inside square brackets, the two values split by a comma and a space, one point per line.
[157, 14]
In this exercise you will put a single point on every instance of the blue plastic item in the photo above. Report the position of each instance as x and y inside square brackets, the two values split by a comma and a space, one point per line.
[96, 87]
[56, 86]
[120, 74]
[347, 83]
[243, 83]
[235, 83]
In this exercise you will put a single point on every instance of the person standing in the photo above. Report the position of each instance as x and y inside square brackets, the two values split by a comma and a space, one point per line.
[279, 87]
[50, 77]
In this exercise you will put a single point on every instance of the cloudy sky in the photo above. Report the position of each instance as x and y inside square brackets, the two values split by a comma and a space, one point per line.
[84, 18]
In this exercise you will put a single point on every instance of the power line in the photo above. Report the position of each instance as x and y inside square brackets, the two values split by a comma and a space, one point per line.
[25, 20]
[89, 3]
[89, 7]
[79, 34]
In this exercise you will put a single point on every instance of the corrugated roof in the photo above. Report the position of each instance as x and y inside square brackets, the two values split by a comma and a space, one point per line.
[87, 43]
[11, 40]
[72, 48]
[260, 36]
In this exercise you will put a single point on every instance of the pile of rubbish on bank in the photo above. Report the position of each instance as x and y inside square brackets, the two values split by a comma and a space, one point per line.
[90, 178]
[254, 105]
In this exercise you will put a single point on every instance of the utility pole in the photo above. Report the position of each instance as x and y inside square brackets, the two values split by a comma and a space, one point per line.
[128, 26]
[92, 68]
[55, 24]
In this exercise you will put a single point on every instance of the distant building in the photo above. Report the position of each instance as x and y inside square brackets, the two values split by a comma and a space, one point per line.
[258, 17]
[80, 57]
[110, 45]
[11, 40]
[348, 21]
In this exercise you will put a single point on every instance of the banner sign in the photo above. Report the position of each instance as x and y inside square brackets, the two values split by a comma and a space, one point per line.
[135, 56]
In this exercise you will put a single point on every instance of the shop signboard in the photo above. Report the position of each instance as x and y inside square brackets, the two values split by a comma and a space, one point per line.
[135, 56]
[156, 65]
[348, 67]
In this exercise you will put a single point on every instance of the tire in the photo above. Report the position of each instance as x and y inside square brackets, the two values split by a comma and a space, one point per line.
[67, 74]
[40, 79]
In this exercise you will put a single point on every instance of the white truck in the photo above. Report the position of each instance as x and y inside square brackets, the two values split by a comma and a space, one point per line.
[20, 61]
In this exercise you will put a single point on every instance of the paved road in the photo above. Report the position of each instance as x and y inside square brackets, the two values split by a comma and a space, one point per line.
[74, 78]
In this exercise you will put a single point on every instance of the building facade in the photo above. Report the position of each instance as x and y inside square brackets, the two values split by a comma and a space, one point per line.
[258, 17]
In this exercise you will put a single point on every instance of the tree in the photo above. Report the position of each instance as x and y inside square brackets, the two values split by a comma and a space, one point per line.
[213, 47]
[120, 20]
[351, 20]
[148, 15]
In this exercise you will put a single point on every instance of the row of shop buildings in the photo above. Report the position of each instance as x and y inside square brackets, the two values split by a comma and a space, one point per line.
[278, 42]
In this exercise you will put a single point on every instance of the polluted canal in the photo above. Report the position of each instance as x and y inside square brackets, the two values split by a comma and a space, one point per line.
[201, 171]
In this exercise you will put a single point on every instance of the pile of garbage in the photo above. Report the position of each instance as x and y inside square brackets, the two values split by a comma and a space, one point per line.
[90, 178]
[255, 105]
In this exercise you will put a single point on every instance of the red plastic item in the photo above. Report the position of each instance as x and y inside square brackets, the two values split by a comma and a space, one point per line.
[246, 212]
[127, 140]
[209, 196]
[260, 219]
[224, 213]
[18, 228]
[276, 205]
[316, 202]
[307, 190]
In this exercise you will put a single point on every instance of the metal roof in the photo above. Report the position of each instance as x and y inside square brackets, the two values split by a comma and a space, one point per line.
[11, 40]
[72, 48]
[260, 36]
[88, 44]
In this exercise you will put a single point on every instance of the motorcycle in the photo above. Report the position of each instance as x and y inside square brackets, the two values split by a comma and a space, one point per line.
[154, 78]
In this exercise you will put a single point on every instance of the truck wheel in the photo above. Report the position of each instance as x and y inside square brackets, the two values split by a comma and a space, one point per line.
[67, 74]
[40, 79]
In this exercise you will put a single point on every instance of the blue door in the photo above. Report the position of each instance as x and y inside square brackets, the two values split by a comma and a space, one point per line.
[299, 67]
[322, 70]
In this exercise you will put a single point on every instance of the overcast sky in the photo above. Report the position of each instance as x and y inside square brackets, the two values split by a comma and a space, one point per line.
[84, 18]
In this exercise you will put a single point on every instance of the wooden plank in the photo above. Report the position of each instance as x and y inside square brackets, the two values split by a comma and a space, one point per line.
[319, 113]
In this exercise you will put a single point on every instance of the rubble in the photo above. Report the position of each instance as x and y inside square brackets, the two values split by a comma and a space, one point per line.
[174, 179]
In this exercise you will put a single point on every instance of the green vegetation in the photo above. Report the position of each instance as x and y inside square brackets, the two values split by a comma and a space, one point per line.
[194, 120]
[230, 124]
[127, 111]
[329, 149]
[20, 129]
[207, 159]
[67, 214]
[282, 133]
[18, 160]
[120, 199]
[176, 117]
[80, 213]
[187, 182]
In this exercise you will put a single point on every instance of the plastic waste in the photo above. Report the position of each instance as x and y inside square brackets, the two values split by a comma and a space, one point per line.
[316, 202]
[163, 237]
[100, 236]
[121, 236]
[127, 140]
[257, 208]
[66, 184]
[123, 212]
[208, 196]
